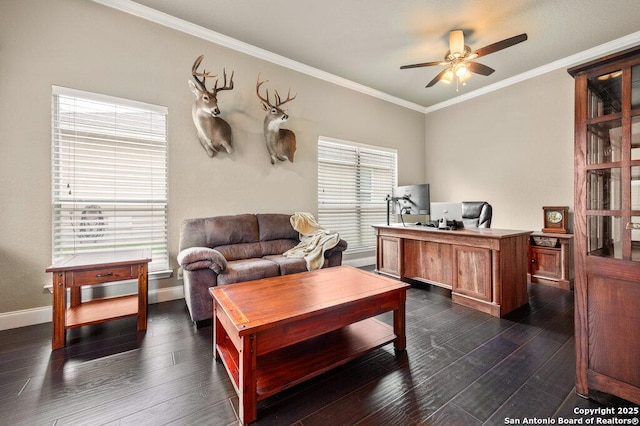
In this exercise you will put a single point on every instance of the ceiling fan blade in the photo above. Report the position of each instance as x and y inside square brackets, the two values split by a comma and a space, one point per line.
[424, 64]
[479, 68]
[500, 45]
[437, 78]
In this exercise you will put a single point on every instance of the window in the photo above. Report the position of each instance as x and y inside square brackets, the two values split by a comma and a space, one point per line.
[109, 166]
[353, 181]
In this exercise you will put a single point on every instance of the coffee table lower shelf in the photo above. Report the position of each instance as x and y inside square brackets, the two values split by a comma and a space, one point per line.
[291, 365]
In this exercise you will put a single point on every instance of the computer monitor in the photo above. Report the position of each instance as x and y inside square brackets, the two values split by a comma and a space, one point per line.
[411, 199]
[449, 211]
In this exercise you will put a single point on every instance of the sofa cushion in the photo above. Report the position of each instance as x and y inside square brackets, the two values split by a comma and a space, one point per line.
[248, 270]
[224, 230]
[276, 246]
[289, 265]
[217, 231]
[192, 234]
[240, 251]
[275, 226]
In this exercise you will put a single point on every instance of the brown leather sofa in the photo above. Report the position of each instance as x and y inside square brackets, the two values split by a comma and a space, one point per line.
[231, 249]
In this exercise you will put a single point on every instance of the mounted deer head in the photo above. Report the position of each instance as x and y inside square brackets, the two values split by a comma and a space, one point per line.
[281, 143]
[214, 133]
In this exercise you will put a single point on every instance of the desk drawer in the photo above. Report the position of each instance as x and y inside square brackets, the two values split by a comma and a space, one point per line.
[103, 275]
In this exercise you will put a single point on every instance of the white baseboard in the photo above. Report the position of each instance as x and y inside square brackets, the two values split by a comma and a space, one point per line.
[25, 317]
[34, 316]
[360, 262]
[166, 294]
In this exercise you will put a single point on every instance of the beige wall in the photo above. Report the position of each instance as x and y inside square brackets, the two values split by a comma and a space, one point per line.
[512, 147]
[83, 45]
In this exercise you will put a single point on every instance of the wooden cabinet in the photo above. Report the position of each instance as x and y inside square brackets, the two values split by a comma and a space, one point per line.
[472, 272]
[607, 225]
[551, 259]
[486, 269]
[429, 261]
[389, 256]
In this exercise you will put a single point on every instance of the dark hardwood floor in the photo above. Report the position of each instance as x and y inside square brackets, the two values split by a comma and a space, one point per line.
[461, 367]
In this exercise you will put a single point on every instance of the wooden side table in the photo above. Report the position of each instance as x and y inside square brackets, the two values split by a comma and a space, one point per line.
[551, 259]
[80, 270]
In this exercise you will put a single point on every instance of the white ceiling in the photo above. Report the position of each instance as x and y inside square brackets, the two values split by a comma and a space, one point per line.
[366, 41]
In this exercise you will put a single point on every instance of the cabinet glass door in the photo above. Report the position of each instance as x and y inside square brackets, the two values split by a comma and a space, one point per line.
[633, 225]
[607, 224]
[613, 165]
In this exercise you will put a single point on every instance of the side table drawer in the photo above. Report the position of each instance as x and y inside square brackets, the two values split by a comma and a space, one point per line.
[103, 275]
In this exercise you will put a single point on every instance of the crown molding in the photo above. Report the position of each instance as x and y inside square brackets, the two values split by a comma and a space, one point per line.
[161, 18]
[186, 27]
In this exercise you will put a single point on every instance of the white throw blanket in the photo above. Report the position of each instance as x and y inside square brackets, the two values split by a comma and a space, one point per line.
[314, 240]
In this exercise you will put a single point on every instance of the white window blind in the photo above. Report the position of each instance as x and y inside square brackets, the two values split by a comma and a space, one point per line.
[109, 165]
[353, 181]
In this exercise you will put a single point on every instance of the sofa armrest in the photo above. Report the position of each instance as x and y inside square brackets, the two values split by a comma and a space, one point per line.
[333, 256]
[194, 258]
[340, 247]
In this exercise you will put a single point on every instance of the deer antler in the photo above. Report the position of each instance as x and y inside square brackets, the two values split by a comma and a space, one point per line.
[204, 75]
[258, 84]
[280, 102]
[225, 87]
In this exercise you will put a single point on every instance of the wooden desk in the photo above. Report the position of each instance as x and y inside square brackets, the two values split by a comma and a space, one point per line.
[91, 269]
[485, 269]
[276, 332]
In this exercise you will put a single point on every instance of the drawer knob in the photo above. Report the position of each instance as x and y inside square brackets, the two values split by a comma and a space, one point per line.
[108, 274]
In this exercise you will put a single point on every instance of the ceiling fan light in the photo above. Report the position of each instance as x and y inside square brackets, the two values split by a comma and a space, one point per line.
[461, 71]
[447, 77]
[456, 43]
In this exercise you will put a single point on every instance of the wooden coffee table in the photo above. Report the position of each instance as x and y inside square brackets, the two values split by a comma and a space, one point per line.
[274, 333]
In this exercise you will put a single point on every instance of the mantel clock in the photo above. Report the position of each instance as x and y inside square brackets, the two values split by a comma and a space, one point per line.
[555, 219]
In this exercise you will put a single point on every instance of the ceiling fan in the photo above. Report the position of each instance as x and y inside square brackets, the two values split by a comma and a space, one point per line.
[459, 56]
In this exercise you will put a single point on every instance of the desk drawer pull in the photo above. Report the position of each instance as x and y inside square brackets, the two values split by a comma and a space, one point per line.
[108, 274]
